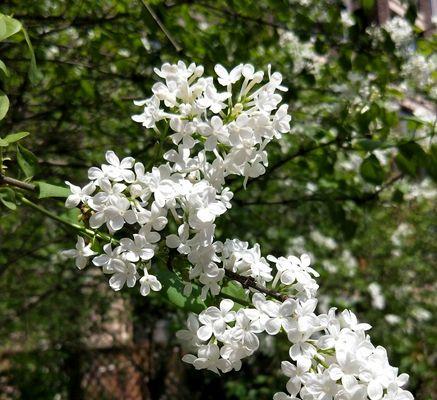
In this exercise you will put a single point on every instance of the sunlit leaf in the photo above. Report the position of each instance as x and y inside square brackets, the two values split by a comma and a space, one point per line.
[3, 68]
[13, 137]
[7, 197]
[50, 190]
[4, 104]
[8, 26]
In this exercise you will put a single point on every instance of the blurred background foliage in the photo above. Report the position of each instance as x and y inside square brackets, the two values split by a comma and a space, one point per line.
[353, 184]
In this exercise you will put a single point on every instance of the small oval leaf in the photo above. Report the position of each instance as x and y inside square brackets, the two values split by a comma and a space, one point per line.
[372, 171]
[4, 104]
[27, 161]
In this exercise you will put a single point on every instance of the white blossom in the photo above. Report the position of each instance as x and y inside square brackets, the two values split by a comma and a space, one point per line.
[215, 132]
[81, 253]
[149, 282]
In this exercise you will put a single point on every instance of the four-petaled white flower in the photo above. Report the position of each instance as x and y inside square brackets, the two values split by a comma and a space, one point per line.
[125, 272]
[215, 319]
[226, 78]
[81, 253]
[280, 317]
[78, 194]
[137, 249]
[149, 282]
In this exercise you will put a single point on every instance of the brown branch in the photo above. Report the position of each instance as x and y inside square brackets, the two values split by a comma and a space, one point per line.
[249, 282]
[6, 180]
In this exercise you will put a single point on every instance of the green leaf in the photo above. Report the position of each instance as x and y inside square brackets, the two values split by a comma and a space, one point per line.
[13, 137]
[34, 73]
[236, 293]
[412, 150]
[398, 196]
[368, 144]
[4, 104]
[173, 287]
[405, 165]
[7, 197]
[71, 214]
[48, 190]
[411, 158]
[27, 161]
[431, 164]
[2, 26]
[8, 26]
[87, 87]
[372, 171]
[368, 4]
[3, 68]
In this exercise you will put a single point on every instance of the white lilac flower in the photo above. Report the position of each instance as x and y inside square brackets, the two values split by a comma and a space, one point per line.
[378, 299]
[301, 347]
[124, 272]
[283, 396]
[295, 373]
[399, 30]
[189, 336]
[226, 78]
[81, 254]
[215, 320]
[149, 282]
[151, 114]
[78, 194]
[108, 258]
[321, 386]
[179, 241]
[280, 317]
[137, 249]
[120, 170]
[112, 216]
[245, 330]
[349, 319]
[208, 358]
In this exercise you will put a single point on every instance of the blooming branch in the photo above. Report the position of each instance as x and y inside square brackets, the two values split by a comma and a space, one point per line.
[216, 132]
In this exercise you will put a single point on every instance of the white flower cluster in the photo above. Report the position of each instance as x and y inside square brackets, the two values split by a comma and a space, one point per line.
[419, 69]
[303, 53]
[399, 30]
[330, 356]
[216, 132]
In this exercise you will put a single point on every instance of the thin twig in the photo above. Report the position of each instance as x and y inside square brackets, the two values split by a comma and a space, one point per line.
[249, 282]
[161, 25]
[359, 199]
[6, 180]
[78, 228]
[232, 14]
[302, 151]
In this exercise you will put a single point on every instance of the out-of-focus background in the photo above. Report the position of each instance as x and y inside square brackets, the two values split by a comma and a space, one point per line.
[353, 184]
